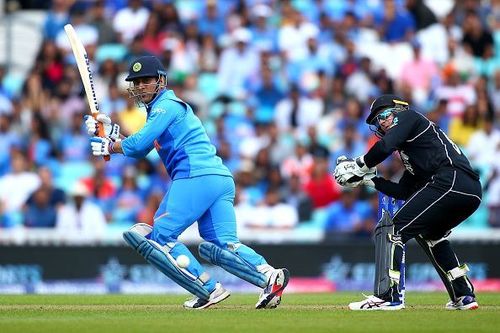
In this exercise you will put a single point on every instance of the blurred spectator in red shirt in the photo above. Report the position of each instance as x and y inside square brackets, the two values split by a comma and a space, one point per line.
[322, 188]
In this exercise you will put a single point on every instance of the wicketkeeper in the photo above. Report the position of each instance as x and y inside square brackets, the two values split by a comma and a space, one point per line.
[202, 190]
[440, 190]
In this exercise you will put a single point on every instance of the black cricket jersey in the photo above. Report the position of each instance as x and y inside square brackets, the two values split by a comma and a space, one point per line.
[424, 149]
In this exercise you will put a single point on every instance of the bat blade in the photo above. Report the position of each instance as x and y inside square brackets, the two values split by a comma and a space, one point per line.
[83, 64]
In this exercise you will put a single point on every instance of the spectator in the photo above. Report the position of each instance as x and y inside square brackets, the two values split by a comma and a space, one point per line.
[169, 18]
[360, 84]
[271, 213]
[49, 62]
[100, 21]
[107, 74]
[476, 38]
[298, 199]
[483, 144]
[80, 220]
[56, 196]
[293, 35]
[419, 74]
[494, 92]
[264, 36]
[88, 34]
[128, 202]
[40, 148]
[267, 96]
[461, 129]
[301, 163]
[19, 184]
[237, 64]
[114, 102]
[210, 22]
[100, 187]
[131, 118]
[39, 212]
[8, 139]
[321, 187]
[396, 25]
[153, 37]
[347, 215]
[147, 213]
[74, 143]
[56, 18]
[458, 95]
[296, 112]
[130, 21]
[351, 145]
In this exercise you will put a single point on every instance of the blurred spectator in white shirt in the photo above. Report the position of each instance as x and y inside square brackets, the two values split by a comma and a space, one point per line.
[360, 83]
[483, 144]
[237, 64]
[88, 34]
[296, 113]
[80, 220]
[271, 213]
[458, 95]
[292, 37]
[131, 20]
[19, 184]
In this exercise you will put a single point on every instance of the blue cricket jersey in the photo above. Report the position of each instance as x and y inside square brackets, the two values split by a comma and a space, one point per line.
[178, 136]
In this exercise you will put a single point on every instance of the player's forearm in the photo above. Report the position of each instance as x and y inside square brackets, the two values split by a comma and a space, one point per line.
[391, 189]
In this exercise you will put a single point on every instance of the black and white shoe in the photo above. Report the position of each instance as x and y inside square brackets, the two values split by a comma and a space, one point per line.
[270, 297]
[218, 295]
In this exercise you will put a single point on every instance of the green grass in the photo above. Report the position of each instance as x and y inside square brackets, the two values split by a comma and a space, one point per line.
[298, 313]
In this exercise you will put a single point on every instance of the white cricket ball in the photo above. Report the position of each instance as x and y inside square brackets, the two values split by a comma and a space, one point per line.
[183, 261]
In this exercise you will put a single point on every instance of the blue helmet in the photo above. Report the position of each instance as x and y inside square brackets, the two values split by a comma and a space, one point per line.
[145, 66]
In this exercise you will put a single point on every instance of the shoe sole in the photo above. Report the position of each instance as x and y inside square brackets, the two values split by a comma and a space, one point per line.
[381, 308]
[276, 293]
[216, 300]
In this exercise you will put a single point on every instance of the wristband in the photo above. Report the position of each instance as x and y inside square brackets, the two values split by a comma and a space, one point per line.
[111, 147]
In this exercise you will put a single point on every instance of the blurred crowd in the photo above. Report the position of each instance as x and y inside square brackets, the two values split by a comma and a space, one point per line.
[282, 87]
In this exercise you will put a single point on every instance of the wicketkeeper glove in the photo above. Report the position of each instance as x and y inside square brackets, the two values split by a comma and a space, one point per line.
[111, 130]
[352, 173]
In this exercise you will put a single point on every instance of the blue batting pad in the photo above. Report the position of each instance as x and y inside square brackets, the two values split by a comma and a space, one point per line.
[159, 259]
[232, 262]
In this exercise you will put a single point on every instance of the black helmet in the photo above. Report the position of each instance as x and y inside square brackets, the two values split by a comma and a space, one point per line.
[385, 102]
[145, 66]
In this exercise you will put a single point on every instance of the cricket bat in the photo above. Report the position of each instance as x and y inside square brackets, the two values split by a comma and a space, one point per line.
[83, 63]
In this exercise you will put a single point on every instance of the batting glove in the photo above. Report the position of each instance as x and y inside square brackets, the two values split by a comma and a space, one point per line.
[101, 146]
[111, 130]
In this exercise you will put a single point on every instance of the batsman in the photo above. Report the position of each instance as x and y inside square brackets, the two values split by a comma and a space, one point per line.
[202, 190]
[440, 190]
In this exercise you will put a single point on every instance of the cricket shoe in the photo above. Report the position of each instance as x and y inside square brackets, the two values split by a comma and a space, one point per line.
[463, 303]
[372, 303]
[218, 295]
[270, 297]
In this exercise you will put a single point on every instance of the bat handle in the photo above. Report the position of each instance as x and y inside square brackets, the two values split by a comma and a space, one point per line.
[100, 132]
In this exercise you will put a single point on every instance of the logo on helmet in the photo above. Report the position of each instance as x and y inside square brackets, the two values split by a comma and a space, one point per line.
[137, 67]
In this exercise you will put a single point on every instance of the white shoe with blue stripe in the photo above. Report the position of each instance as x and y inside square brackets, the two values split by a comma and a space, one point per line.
[373, 303]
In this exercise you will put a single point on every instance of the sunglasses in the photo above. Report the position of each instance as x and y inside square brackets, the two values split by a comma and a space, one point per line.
[384, 115]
